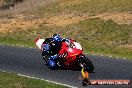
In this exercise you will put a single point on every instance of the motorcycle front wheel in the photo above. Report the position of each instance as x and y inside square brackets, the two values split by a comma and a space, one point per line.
[87, 64]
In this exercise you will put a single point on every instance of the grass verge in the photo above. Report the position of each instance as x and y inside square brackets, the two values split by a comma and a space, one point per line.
[95, 35]
[87, 6]
[10, 80]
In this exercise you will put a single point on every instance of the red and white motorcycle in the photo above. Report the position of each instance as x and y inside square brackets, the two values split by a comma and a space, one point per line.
[72, 55]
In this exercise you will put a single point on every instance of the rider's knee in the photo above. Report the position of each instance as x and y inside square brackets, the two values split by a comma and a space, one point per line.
[51, 63]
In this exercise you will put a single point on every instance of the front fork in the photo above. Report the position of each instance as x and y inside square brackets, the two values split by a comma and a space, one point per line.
[81, 65]
[79, 60]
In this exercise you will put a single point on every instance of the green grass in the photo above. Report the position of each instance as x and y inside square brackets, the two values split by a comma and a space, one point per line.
[95, 35]
[100, 36]
[87, 6]
[10, 80]
[24, 37]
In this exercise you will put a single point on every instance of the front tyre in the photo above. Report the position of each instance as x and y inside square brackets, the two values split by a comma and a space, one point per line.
[87, 64]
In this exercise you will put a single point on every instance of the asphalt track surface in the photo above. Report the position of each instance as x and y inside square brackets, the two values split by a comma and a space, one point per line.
[28, 61]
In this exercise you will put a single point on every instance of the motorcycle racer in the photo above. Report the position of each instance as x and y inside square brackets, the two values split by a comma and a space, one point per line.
[63, 53]
[50, 49]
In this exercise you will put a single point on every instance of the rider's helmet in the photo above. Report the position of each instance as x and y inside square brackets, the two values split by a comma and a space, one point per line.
[56, 37]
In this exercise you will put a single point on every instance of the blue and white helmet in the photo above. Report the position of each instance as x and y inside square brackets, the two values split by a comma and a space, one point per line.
[56, 37]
